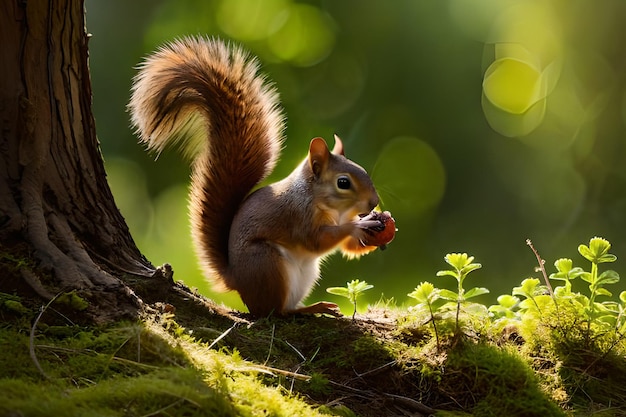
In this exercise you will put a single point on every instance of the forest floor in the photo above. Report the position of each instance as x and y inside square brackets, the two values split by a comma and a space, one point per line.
[186, 356]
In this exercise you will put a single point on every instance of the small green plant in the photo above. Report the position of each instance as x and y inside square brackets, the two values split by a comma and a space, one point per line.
[566, 272]
[597, 253]
[536, 298]
[463, 265]
[506, 307]
[351, 291]
[540, 302]
[426, 294]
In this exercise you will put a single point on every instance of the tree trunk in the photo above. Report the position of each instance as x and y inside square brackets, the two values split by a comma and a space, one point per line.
[60, 229]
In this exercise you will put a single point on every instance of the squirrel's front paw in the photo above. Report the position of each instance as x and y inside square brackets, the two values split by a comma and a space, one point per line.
[328, 308]
[379, 228]
[369, 221]
[322, 307]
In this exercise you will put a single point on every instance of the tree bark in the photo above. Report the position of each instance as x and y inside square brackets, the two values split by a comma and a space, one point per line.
[60, 229]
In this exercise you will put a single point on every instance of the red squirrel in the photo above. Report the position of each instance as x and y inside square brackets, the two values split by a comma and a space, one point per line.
[209, 98]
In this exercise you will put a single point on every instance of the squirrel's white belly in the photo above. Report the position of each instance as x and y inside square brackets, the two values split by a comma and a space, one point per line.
[302, 271]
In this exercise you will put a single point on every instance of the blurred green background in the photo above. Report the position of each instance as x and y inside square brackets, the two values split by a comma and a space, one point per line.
[482, 123]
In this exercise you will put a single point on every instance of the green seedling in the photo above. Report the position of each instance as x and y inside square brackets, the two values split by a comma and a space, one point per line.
[535, 296]
[566, 272]
[426, 294]
[505, 309]
[539, 301]
[598, 252]
[351, 291]
[463, 265]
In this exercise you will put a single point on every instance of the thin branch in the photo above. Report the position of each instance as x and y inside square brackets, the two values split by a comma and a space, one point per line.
[269, 352]
[275, 371]
[375, 370]
[405, 401]
[31, 340]
[223, 335]
[541, 268]
[33, 356]
[297, 351]
[413, 404]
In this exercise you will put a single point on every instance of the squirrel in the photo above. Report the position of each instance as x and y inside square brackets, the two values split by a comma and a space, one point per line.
[208, 97]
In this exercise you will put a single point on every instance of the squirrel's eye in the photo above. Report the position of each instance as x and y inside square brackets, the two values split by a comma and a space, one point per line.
[343, 183]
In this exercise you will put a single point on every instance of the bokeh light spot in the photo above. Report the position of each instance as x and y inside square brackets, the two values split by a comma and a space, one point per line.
[409, 174]
[513, 124]
[305, 38]
[512, 85]
[250, 20]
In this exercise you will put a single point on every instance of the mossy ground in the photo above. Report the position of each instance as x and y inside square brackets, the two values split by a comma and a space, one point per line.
[192, 361]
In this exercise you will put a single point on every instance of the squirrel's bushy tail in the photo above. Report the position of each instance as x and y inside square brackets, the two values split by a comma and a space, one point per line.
[209, 99]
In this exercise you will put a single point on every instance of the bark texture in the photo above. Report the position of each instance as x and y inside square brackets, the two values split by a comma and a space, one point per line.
[60, 229]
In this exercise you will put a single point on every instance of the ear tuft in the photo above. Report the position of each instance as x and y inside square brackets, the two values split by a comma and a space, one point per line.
[318, 155]
[338, 148]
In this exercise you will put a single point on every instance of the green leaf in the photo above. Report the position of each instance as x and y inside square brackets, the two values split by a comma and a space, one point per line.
[622, 297]
[476, 310]
[606, 307]
[599, 246]
[527, 304]
[498, 310]
[603, 291]
[505, 306]
[581, 299]
[606, 318]
[476, 291]
[566, 271]
[471, 267]
[597, 251]
[543, 301]
[529, 288]
[508, 301]
[448, 272]
[448, 295]
[342, 291]
[611, 306]
[356, 287]
[425, 292]
[563, 265]
[607, 277]
[609, 257]
[461, 262]
[586, 252]
[458, 260]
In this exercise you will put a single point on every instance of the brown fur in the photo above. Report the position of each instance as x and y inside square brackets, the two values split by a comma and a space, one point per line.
[267, 245]
[194, 87]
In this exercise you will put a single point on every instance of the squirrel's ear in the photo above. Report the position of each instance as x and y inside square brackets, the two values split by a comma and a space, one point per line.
[318, 155]
[338, 148]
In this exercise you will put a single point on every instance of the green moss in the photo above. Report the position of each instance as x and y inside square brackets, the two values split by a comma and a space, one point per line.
[497, 380]
[305, 366]
[73, 300]
[13, 304]
[587, 370]
[131, 369]
[15, 262]
[179, 392]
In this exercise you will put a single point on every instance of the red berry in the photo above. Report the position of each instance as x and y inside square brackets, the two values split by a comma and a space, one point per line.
[382, 234]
